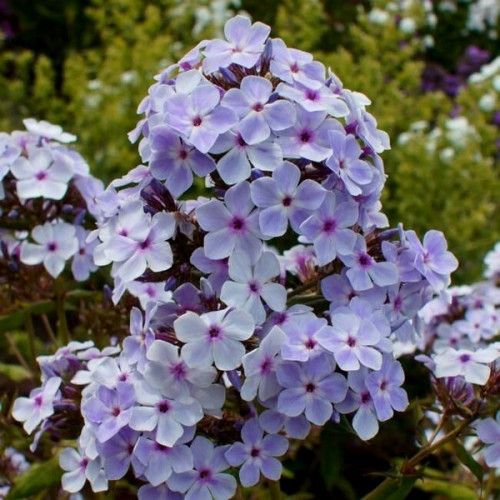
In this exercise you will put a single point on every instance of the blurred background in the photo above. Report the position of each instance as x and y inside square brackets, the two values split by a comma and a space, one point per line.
[430, 68]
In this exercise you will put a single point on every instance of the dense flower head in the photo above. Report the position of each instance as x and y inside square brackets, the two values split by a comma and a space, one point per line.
[46, 190]
[239, 320]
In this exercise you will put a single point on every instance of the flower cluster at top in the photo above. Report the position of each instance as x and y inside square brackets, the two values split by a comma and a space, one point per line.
[47, 198]
[269, 306]
[461, 347]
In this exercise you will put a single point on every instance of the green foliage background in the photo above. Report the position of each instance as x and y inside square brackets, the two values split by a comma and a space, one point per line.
[86, 64]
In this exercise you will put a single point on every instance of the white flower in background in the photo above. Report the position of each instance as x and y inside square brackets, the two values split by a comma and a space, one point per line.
[378, 16]
[48, 130]
[408, 25]
[55, 244]
[487, 102]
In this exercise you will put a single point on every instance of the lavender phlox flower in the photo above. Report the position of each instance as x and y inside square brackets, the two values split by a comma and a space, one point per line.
[56, 242]
[164, 412]
[260, 365]
[257, 115]
[252, 284]
[141, 336]
[236, 164]
[310, 388]
[472, 365]
[232, 226]
[244, 45]
[352, 341]
[216, 269]
[404, 302]
[284, 198]
[117, 453]
[432, 259]
[199, 117]
[47, 130]
[149, 292]
[174, 162]
[206, 480]
[403, 257]
[477, 325]
[301, 338]
[308, 137]
[293, 65]
[447, 336]
[214, 337]
[83, 262]
[38, 406]
[365, 272]
[345, 162]
[385, 389]
[337, 289]
[314, 99]
[166, 368]
[109, 410]
[255, 454]
[64, 362]
[157, 462]
[492, 262]
[488, 431]
[283, 318]
[370, 215]
[358, 399]
[39, 175]
[328, 228]
[191, 59]
[300, 260]
[81, 468]
[144, 246]
[110, 372]
[272, 421]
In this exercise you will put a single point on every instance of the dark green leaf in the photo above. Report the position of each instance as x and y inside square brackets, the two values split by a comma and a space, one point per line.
[465, 457]
[15, 373]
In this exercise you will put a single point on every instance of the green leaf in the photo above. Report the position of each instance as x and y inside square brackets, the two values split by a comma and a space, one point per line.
[17, 319]
[331, 458]
[465, 457]
[392, 489]
[448, 490]
[15, 373]
[39, 477]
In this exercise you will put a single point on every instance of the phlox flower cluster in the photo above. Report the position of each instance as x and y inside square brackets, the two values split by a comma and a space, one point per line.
[270, 305]
[47, 201]
[461, 348]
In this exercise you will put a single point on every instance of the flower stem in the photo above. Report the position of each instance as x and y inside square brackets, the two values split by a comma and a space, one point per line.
[275, 490]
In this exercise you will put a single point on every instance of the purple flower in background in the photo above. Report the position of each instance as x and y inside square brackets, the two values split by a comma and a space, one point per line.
[117, 453]
[328, 229]
[214, 337]
[310, 388]
[488, 431]
[256, 454]
[206, 480]
[244, 45]
[55, 244]
[284, 198]
[81, 468]
[39, 406]
[48, 130]
[83, 260]
[432, 259]
[232, 226]
[198, 116]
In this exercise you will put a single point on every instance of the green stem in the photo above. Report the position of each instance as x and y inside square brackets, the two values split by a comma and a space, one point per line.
[17, 352]
[275, 490]
[62, 322]
[31, 340]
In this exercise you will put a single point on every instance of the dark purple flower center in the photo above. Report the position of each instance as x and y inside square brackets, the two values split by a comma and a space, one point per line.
[183, 154]
[214, 332]
[258, 107]
[115, 412]
[163, 406]
[364, 260]
[305, 136]
[266, 366]
[287, 201]
[41, 175]
[294, 67]
[464, 358]
[38, 400]
[241, 142]
[310, 387]
[161, 447]
[81, 251]
[365, 397]
[123, 377]
[329, 226]
[255, 452]
[145, 244]
[52, 246]
[351, 341]
[253, 287]
[178, 371]
[123, 232]
[384, 384]
[238, 224]
[205, 474]
[197, 121]
[312, 95]
[310, 344]
[398, 303]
